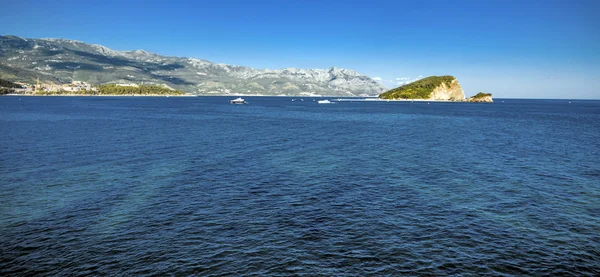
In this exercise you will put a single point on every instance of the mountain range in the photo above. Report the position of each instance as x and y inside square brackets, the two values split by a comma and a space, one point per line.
[64, 61]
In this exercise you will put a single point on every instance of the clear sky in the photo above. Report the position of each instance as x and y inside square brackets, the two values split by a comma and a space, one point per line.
[520, 49]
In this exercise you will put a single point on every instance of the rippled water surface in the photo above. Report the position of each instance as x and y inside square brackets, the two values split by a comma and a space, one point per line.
[195, 186]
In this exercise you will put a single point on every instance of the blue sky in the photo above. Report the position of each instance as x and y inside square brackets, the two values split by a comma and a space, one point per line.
[520, 49]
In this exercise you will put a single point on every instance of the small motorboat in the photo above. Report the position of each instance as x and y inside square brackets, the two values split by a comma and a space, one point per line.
[324, 101]
[238, 100]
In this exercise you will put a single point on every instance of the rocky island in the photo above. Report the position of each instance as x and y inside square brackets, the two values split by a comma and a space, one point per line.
[445, 88]
[481, 97]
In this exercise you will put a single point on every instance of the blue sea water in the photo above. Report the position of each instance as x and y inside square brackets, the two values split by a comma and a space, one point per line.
[124, 186]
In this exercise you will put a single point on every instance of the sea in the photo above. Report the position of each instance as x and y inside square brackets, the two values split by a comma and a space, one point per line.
[282, 186]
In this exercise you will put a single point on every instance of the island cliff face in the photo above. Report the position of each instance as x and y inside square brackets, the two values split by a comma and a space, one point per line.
[448, 91]
[430, 88]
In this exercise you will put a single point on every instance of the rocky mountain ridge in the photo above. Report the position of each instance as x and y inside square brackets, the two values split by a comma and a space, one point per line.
[63, 61]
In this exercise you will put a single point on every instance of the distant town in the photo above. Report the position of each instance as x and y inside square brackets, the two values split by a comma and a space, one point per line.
[83, 88]
[75, 86]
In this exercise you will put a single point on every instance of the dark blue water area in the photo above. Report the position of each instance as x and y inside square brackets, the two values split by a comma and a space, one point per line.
[124, 186]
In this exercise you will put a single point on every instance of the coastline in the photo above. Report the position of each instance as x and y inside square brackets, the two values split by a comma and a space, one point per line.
[414, 100]
[102, 95]
[333, 98]
[375, 99]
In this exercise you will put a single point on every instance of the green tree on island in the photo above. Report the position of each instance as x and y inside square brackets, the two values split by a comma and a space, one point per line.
[481, 95]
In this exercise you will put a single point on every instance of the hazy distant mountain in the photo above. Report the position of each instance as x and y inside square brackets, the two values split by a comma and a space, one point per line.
[61, 61]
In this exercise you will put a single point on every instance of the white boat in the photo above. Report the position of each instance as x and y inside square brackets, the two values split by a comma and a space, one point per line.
[238, 100]
[324, 101]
